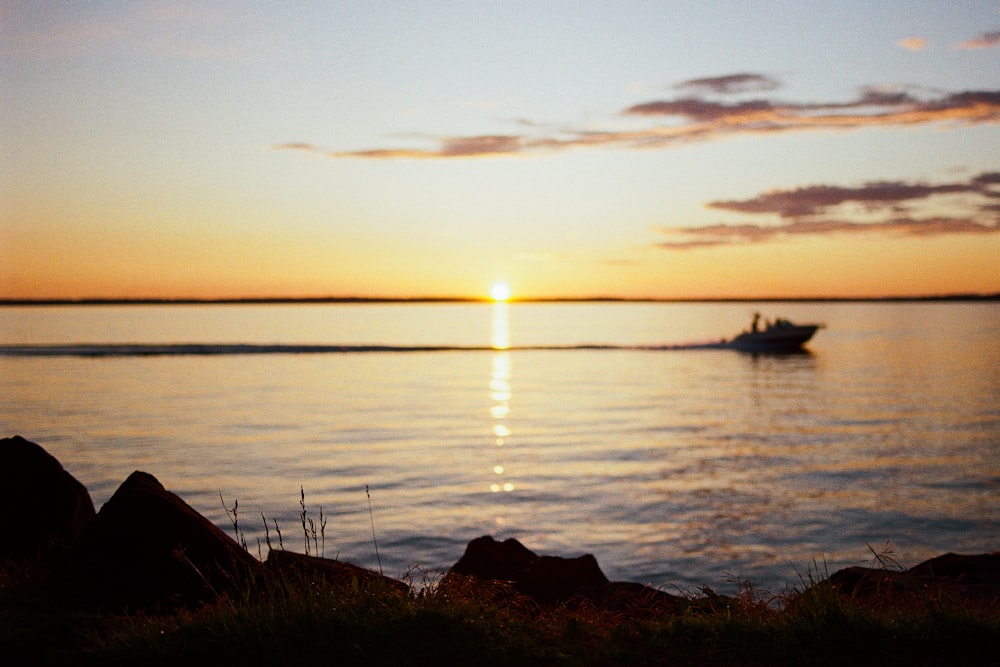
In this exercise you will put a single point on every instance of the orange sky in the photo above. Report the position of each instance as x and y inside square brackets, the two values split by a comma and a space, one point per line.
[681, 151]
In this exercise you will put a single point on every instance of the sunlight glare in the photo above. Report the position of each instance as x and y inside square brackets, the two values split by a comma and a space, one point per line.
[500, 292]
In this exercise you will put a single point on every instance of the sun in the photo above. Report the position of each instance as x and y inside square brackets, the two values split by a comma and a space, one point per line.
[500, 292]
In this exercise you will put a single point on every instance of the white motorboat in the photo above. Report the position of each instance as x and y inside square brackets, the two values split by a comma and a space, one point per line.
[778, 336]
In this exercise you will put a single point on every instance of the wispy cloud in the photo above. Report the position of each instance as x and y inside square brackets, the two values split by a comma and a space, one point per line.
[814, 200]
[890, 207]
[457, 147]
[987, 40]
[872, 108]
[23, 38]
[666, 123]
[172, 31]
[913, 43]
[743, 82]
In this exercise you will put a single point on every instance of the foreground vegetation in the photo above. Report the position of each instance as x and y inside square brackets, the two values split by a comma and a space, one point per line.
[460, 621]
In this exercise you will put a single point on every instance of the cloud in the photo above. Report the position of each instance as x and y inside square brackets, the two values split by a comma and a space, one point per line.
[873, 107]
[186, 32]
[480, 146]
[913, 43]
[987, 40]
[296, 146]
[25, 37]
[701, 110]
[815, 199]
[818, 210]
[728, 235]
[667, 123]
[730, 83]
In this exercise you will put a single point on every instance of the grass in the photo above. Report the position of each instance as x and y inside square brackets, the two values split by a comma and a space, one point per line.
[458, 621]
[291, 618]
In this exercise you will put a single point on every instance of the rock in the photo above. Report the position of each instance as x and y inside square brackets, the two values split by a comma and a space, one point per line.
[972, 578]
[978, 576]
[44, 508]
[333, 573]
[547, 579]
[553, 579]
[486, 558]
[637, 600]
[864, 582]
[147, 548]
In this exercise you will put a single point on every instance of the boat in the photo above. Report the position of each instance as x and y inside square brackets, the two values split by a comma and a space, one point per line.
[778, 336]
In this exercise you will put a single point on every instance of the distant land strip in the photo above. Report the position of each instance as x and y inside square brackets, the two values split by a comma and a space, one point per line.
[455, 299]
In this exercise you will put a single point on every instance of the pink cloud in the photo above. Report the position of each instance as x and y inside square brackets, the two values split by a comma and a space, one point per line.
[812, 211]
[913, 43]
[731, 83]
[987, 40]
[679, 121]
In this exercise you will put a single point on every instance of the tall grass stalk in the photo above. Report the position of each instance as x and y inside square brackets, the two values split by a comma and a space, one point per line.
[309, 531]
[302, 518]
[371, 517]
[322, 533]
[281, 543]
[884, 557]
[233, 514]
[267, 533]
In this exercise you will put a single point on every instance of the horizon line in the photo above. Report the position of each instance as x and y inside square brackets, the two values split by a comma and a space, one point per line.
[250, 300]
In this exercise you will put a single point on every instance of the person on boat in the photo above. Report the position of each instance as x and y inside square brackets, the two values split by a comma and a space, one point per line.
[756, 319]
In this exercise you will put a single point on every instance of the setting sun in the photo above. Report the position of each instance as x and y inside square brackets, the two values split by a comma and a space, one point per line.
[500, 292]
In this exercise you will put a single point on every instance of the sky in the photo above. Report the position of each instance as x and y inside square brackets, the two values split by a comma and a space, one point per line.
[673, 150]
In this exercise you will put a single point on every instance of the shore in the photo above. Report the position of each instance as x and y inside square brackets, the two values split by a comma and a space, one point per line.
[148, 580]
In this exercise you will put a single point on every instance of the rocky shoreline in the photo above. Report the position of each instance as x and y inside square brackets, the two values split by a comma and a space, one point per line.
[146, 549]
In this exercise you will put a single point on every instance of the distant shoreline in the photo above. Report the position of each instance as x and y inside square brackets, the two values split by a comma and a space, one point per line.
[445, 300]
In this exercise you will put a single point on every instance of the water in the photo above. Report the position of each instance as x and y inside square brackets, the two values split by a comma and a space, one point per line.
[673, 465]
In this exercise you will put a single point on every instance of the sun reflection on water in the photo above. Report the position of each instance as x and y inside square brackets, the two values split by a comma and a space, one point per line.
[500, 329]
[500, 394]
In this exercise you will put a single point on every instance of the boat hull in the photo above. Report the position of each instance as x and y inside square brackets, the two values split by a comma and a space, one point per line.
[775, 339]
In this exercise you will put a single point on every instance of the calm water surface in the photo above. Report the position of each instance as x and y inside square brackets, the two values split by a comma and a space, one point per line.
[676, 467]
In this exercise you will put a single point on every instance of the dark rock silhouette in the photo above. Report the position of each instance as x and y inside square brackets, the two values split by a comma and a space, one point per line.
[973, 578]
[634, 599]
[148, 548]
[333, 573]
[486, 558]
[546, 579]
[45, 509]
[553, 579]
[556, 579]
